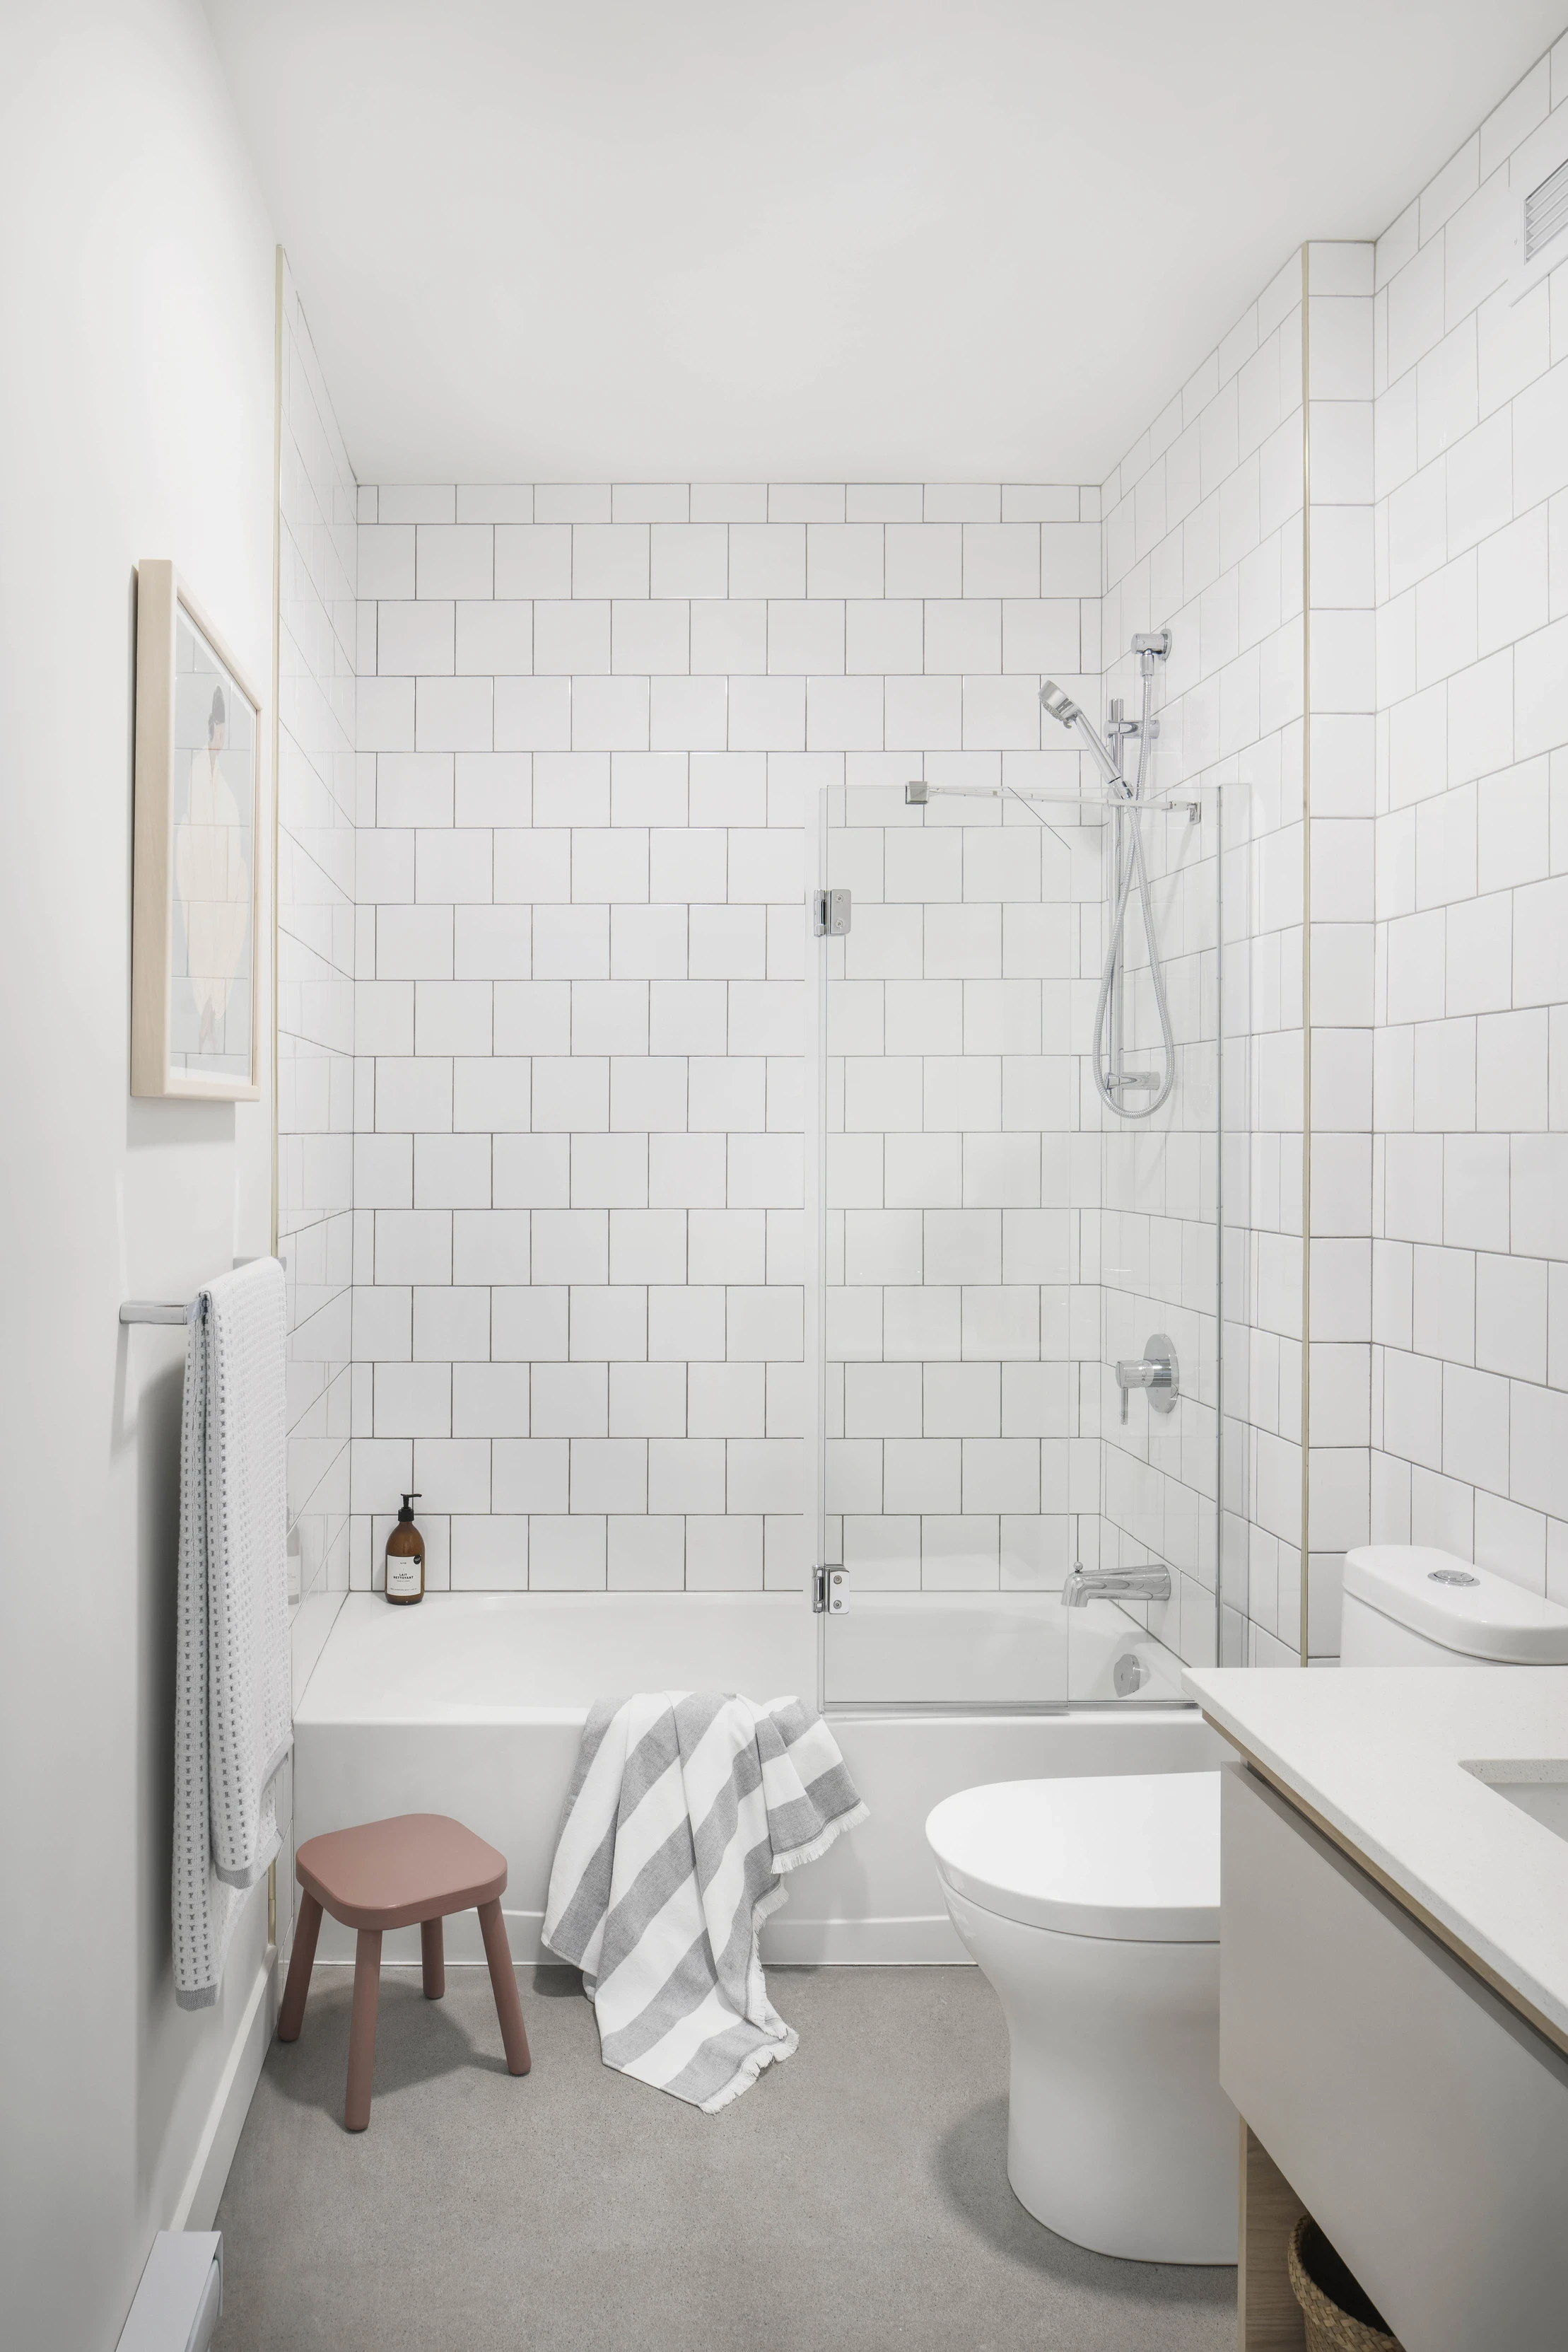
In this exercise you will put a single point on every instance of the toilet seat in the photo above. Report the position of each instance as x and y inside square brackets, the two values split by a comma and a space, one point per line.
[1133, 1856]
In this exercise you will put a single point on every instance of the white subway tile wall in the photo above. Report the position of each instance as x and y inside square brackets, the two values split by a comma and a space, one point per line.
[1342, 702]
[316, 953]
[596, 722]
[1467, 1173]
[1203, 535]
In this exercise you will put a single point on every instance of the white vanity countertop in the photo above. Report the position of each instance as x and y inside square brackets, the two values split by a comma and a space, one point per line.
[1379, 1755]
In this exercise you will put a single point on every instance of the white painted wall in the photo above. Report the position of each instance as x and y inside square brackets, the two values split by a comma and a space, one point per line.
[136, 419]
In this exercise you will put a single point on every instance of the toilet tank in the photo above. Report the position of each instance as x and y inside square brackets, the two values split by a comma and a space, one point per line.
[1412, 1605]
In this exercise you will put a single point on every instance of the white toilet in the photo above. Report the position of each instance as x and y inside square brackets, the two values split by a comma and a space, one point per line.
[1092, 1906]
[1411, 1605]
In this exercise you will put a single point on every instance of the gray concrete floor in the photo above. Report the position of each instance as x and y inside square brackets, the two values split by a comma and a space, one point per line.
[854, 2201]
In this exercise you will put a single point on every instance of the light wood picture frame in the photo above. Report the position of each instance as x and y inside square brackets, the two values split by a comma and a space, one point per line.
[196, 970]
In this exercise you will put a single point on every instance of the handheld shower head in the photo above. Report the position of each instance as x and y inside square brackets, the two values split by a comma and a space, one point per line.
[1059, 704]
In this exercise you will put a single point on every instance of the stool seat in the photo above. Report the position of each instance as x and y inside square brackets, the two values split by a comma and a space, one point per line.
[394, 1873]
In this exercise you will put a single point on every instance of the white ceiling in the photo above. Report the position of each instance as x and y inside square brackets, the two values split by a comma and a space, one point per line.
[820, 240]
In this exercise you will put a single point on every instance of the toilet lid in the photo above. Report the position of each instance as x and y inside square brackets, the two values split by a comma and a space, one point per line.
[1133, 1856]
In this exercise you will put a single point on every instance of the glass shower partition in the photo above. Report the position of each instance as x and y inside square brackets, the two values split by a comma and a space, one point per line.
[991, 1241]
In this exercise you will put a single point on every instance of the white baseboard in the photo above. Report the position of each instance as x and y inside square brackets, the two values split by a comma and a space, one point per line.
[198, 2199]
[916, 1943]
[923, 1941]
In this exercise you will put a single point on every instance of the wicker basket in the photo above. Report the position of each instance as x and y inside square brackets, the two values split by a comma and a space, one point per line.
[1330, 2327]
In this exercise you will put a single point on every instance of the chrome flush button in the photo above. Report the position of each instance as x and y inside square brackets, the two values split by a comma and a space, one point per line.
[1451, 1576]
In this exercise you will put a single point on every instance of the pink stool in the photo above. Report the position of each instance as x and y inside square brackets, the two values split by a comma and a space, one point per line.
[388, 1874]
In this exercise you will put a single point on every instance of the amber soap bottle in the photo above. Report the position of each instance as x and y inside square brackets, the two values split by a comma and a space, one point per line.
[405, 1556]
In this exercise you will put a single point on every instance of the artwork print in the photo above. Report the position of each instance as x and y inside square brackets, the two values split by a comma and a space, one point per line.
[193, 1027]
[212, 953]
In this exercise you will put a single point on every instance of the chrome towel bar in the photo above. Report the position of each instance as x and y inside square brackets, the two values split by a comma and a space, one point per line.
[152, 1310]
[167, 1310]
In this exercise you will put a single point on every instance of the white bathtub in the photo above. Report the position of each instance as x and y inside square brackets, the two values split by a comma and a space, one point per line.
[990, 1649]
[473, 1703]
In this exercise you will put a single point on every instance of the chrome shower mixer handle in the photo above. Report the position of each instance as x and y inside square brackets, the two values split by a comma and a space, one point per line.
[1158, 1373]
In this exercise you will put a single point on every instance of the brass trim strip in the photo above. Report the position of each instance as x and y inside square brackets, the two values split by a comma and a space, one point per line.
[277, 675]
[1304, 1627]
[276, 672]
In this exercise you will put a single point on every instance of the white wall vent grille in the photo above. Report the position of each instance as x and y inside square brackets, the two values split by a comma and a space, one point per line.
[1546, 212]
[1538, 176]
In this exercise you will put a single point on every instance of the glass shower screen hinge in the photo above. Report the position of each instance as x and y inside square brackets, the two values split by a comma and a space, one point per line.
[832, 914]
[830, 1590]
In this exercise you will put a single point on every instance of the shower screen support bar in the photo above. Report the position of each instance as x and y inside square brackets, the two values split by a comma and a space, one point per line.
[918, 792]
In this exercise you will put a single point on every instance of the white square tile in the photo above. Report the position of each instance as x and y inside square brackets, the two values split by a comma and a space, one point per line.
[689, 559]
[454, 560]
[652, 637]
[729, 637]
[609, 558]
[451, 1017]
[884, 635]
[768, 559]
[843, 559]
[1001, 559]
[489, 1555]
[453, 1474]
[566, 1555]
[528, 1324]
[532, 560]
[489, 1399]
[489, 1245]
[646, 1555]
[724, 1555]
[530, 1475]
[413, 637]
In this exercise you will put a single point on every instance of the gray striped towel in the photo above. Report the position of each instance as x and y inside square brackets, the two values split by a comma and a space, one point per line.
[233, 1725]
[684, 1810]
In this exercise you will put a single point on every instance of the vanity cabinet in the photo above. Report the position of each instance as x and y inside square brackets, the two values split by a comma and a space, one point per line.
[1390, 2091]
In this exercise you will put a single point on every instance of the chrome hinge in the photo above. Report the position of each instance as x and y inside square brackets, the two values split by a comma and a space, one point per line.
[831, 914]
[829, 1591]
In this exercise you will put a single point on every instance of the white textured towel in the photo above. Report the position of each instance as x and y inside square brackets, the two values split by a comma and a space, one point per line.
[684, 1810]
[232, 1708]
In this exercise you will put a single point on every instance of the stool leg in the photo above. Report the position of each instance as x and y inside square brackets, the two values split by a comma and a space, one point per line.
[307, 1928]
[434, 1958]
[503, 1984]
[362, 2029]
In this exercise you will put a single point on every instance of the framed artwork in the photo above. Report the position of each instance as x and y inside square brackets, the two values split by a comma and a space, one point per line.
[196, 899]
